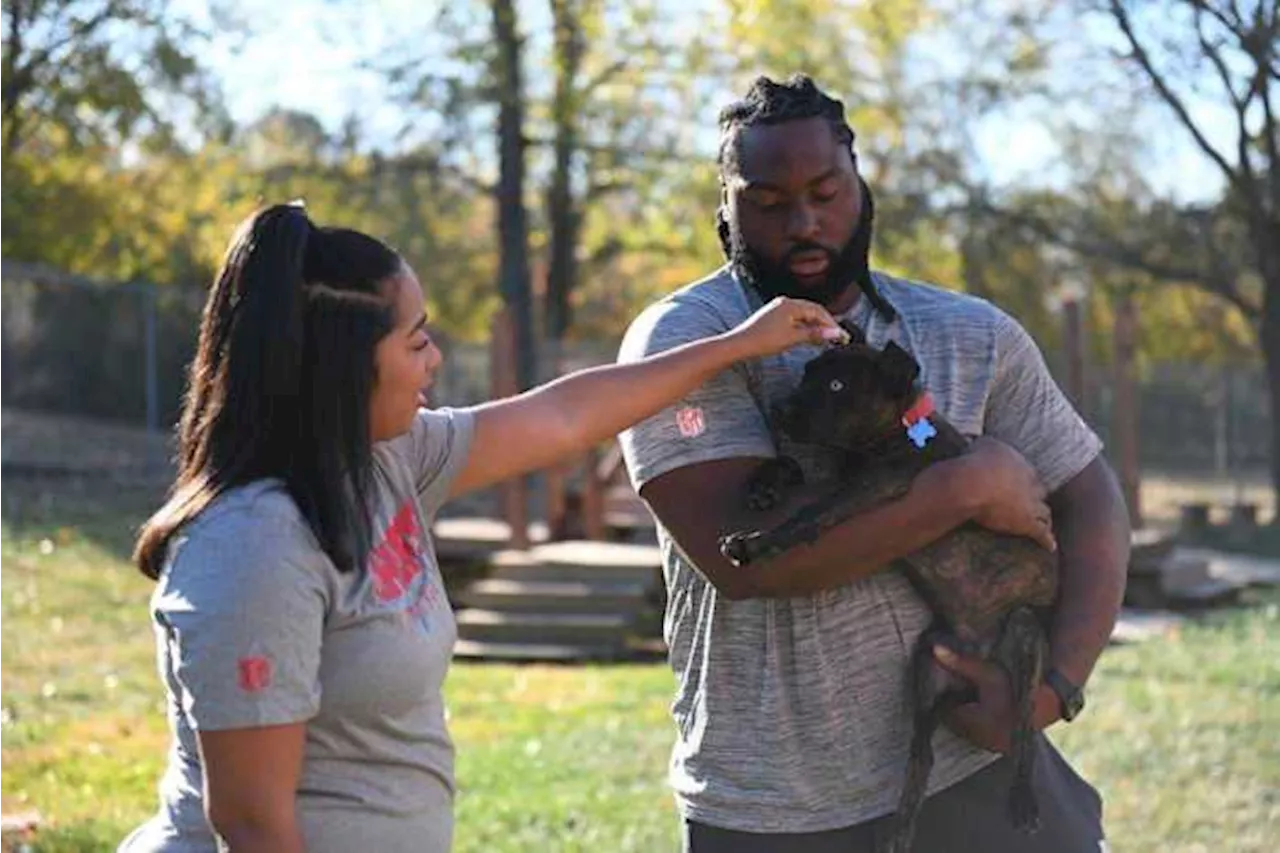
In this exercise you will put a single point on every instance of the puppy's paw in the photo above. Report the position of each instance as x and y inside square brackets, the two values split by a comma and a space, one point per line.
[763, 496]
[771, 482]
[736, 547]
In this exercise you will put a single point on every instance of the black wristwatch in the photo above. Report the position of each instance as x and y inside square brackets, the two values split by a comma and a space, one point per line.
[1070, 697]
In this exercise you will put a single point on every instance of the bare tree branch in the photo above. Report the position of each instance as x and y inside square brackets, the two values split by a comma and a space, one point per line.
[433, 165]
[1240, 103]
[1260, 45]
[1271, 139]
[604, 75]
[1171, 98]
[11, 92]
[1213, 54]
[1218, 282]
[1236, 27]
[598, 190]
[622, 152]
[77, 32]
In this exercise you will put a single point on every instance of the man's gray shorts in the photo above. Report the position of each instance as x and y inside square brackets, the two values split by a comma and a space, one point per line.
[967, 817]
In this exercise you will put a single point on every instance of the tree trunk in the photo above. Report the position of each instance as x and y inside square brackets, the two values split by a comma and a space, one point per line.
[513, 223]
[1269, 338]
[9, 124]
[502, 383]
[1125, 416]
[562, 208]
[971, 266]
[1073, 343]
[973, 247]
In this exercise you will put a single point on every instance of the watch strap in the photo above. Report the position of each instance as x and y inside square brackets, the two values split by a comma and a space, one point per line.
[1070, 697]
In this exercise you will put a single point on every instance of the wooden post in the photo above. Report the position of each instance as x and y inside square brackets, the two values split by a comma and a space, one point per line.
[560, 521]
[504, 383]
[557, 505]
[1125, 415]
[1073, 339]
[593, 500]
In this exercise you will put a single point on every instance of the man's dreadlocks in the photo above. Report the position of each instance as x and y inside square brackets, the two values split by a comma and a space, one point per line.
[769, 102]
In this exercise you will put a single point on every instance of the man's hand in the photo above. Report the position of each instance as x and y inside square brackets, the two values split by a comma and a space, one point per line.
[989, 722]
[1012, 498]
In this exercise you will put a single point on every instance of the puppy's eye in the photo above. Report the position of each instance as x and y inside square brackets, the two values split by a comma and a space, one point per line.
[836, 385]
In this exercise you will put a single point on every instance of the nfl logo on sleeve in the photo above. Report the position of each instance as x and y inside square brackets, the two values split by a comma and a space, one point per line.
[254, 673]
[690, 421]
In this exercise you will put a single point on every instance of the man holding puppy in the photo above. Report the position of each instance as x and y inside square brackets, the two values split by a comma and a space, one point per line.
[792, 705]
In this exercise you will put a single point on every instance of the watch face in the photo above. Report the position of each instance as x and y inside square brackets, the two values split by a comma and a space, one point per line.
[1071, 697]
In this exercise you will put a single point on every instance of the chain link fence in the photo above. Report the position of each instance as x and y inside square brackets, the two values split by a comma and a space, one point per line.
[84, 348]
[117, 352]
[1195, 419]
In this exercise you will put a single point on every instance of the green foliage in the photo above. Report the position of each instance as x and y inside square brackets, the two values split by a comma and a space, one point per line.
[97, 182]
[100, 71]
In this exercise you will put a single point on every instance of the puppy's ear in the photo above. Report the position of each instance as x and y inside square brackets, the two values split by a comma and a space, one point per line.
[899, 368]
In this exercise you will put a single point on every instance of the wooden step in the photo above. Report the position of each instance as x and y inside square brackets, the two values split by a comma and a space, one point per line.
[1148, 549]
[467, 539]
[580, 561]
[1192, 577]
[1247, 569]
[1208, 593]
[624, 510]
[479, 650]
[1159, 584]
[589, 596]
[1136, 626]
[1183, 571]
[539, 628]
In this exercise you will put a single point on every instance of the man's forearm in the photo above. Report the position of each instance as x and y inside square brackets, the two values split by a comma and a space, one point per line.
[1093, 537]
[261, 835]
[864, 543]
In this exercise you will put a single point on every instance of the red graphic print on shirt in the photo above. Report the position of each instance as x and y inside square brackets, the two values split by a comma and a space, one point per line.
[394, 562]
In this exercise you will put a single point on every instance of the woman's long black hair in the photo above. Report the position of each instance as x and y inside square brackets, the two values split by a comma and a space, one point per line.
[282, 379]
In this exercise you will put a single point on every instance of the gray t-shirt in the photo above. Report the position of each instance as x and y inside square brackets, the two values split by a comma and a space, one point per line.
[792, 714]
[256, 627]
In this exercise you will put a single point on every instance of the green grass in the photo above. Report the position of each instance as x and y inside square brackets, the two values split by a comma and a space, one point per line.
[1181, 734]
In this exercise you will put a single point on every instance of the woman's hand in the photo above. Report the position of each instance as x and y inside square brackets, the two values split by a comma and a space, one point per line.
[785, 323]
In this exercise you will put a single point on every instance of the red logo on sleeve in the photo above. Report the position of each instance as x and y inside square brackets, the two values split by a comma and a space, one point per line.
[690, 421]
[255, 673]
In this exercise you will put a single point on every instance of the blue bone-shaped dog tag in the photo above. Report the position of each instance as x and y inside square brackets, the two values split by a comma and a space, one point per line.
[920, 432]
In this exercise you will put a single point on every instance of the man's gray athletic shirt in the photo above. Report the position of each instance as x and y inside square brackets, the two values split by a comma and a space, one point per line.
[792, 713]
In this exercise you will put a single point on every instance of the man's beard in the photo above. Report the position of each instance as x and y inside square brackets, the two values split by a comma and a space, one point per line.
[848, 266]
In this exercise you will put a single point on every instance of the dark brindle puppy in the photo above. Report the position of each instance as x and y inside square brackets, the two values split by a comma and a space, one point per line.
[989, 593]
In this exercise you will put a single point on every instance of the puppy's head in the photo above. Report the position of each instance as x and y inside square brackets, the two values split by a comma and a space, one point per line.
[851, 396]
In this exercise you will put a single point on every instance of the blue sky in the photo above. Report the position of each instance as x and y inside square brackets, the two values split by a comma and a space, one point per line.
[307, 54]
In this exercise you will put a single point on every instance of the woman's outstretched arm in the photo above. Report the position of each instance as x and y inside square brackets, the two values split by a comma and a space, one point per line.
[551, 422]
